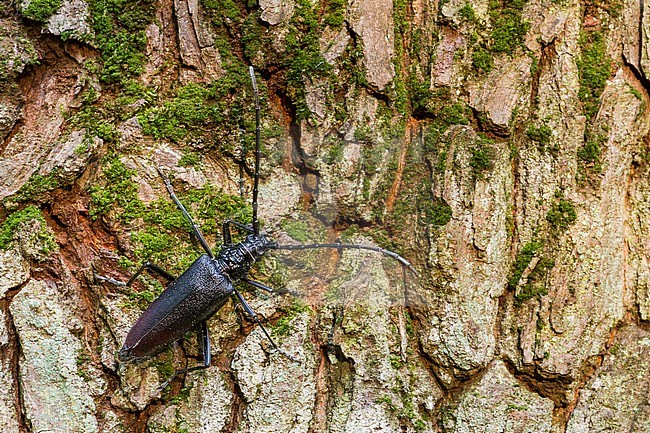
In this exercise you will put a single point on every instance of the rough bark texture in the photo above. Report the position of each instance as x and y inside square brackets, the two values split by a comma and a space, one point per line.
[502, 147]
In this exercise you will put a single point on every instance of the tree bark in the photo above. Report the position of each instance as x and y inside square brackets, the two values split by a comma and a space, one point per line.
[500, 147]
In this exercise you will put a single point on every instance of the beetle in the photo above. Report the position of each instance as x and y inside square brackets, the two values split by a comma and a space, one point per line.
[192, 298]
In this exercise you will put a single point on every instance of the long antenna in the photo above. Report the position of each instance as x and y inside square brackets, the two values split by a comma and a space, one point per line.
[338, 245]
[256, 175]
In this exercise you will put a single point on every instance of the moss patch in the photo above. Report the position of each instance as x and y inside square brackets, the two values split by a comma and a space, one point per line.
[284, 326]
[192, 107]
[542, 136]
[523, 259]
[594, 68]
[508, 25]
[508, 30]
[535, 284]
[561, 215]
[304, 60]
[29, 215]
[216, 113]
[482, 159]
[41, 10]
[590, 154]
[190, 159]
[36, 186]
[119, 27]
[334, 15]
[17, 51]
[119, 193]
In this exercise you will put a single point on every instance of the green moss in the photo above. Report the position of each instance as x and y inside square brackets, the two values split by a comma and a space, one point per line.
[536, 284]
[298, 230]
[214, 113]
[252, 35]
[508, 30]
[351, 62]
[41, 10]
[96, 124]
[210, 205]
[401, 92]
[528, 251]
[388, 401]
[183, 394]
[147, 289]
[335, 149]
[151, 242]
[133, 93]
[561, 215]
[119, 27]
[125, 263]
[119, 192]
[438, 104]
[164, 366]
[594, 68]
[542, 135]
[405, 410]
[430, 209]
[44, 238]
[304, 59]
[482, 60]
[165, 238]
[190, 159]
[23, 54]
[637, 94]
[400, 17]
[467, 13]
[283, 327]
[192, 107]
[334, 15]
[443, 112]
[436, 211]
[508, 25]
[224, 10]
[589, 156]
[83, 359]
[363, 133]
[482, 158]
[395, 361]
[37, 185]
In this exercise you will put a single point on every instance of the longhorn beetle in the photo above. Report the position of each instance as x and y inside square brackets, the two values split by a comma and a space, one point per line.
[192, 298]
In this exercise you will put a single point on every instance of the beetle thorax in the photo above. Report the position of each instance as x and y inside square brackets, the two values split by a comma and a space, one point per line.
[238, 258]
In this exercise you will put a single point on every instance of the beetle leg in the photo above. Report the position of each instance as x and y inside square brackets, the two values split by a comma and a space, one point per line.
[146, 265]
[204, 337]
[227, 237]
[266, 288]
[253, 315]
[153, 268]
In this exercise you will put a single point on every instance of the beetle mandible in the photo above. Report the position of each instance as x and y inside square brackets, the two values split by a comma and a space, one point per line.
[192, 298]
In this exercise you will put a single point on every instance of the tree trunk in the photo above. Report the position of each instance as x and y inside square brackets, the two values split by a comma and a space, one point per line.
[500, 147]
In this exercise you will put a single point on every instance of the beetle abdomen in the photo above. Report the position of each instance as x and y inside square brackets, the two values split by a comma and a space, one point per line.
[197, 294]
